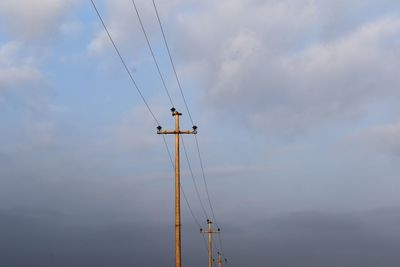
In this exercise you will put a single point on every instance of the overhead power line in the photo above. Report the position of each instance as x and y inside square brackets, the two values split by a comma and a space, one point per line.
[144, 101]
[169, 96]
[172, 63]
[170, 99]
[152, 52]
[190, 117]
[187, 108]
[183, 192]
[124, 63]
[194, 181]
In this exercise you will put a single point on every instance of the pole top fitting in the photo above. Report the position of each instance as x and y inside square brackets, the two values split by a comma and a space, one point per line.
[176, 113]
[159, 128]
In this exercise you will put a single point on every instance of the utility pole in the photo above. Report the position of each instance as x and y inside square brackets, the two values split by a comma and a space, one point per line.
[219, 259]
[177, 132]
[210, 232]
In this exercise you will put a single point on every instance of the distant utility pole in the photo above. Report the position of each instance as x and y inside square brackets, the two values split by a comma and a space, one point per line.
[219, 259]
[210, 232]
[177, 132]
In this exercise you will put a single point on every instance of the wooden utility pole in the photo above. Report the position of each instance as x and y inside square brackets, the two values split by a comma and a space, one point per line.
[177, 132]
[210, 232]
[219, 259]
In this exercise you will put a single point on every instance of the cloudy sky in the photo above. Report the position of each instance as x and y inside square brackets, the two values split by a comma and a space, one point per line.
[297, 104]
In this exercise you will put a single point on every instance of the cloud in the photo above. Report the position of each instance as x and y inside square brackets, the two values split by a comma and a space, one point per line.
[34, 20]
[135, 131]
[123, 26]
[71, 28]
[18, 71]
[48, 238]
[269, 64]
[24, 90]
[381, 140]
[23, 77]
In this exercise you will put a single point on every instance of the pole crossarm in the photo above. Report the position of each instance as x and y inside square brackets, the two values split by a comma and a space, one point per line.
[177, 132]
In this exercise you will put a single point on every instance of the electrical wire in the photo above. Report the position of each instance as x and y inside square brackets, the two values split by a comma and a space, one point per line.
[208, 196]
[190, 116]
[169, 96]
[172, 62]
[152, 52]
[193, 179]
[205, 181]
[146, 103]
[183, 192]
[124, 63]
[187, 108]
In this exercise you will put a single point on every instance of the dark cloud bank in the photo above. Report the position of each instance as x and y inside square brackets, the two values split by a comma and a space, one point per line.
[367, 239]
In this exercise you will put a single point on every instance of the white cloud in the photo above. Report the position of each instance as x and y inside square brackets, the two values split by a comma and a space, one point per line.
[71, 28]
[269, 63]
[19, 78]
[121, 21]
[123, 25]
[34, 19]
[17, 70]
[136, 131]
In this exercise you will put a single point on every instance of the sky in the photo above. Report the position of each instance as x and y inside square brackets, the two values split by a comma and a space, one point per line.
[296, 104]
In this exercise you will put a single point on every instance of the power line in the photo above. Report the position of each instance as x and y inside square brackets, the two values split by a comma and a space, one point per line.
[145, 102]
[152, 53]
[123, 63]
[208, 194]
[205, 181]
[191, 119]
[169, 96]
[172, 62]
[163, 81]
[187, 108]
[183, 191]
[193, 179]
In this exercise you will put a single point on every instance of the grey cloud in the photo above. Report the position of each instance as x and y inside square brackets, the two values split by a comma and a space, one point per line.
[19, 77]
[381, 139]
[268, 64]
[324, 239]
[34, 20]
[18, 70]
[121, 21]
[301, 239]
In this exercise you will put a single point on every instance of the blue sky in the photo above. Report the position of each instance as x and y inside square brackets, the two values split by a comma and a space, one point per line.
[296, 103]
